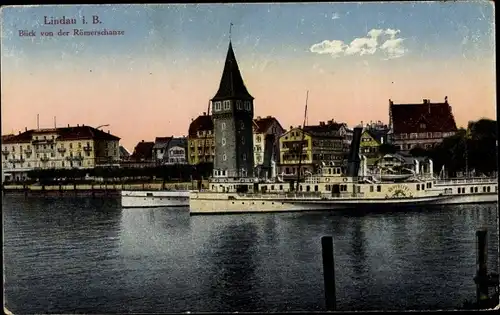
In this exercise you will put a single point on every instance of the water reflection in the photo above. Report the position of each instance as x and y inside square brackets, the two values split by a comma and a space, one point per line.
[91, 256]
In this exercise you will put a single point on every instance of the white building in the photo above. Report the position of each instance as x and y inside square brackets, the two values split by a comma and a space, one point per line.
[57, 148]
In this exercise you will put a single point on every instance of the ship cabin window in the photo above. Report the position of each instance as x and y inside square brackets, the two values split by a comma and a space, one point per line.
[423, 187]
[472, 189]
[429, 185]
[272, 187]
[418, 186]
[371, 188]
[496, 188]
[379, 188]
[484, 188]
[300, 187]
[488, 189]
[476, 189]
[308, 188]
[149, 194]
[315, 187]
[281, 187]
[329, 171]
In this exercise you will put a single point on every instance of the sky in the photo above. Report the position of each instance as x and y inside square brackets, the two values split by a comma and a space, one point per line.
[161, 72]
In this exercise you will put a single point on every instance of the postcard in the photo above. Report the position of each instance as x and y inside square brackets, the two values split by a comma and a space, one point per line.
[249, 157]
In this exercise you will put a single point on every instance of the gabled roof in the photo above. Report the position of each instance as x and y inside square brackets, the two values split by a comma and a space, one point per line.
[124, 152]
[262, 125]
[19, 138]
[202, 123]
[378, 134]
[425, 117]
[177, 142]
[231, 84]
[143, 150]
[162, 142]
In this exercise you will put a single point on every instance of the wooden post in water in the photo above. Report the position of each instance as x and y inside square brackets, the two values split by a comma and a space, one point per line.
[328, 272]
[481, 279]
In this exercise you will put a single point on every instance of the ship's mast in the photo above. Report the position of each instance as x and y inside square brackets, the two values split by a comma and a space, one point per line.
[302, 142]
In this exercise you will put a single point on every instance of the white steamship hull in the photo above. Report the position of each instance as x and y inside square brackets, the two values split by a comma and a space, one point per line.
[215, 203]
[154, 199]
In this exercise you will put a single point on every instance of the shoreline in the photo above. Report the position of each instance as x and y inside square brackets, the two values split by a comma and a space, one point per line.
[96, 188]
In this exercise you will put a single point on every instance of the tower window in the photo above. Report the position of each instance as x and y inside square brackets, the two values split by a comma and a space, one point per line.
[224, 157]
[239, 105]
[223, 126]
[244, 157]
[218, 106]
[227, 105]
[247, 105]
[223, 141]
[242, 140]
[242, 125]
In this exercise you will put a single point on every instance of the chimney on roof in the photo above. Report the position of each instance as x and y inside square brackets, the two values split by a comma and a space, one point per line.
[108, 131]
[268, 117]
[68, 125]
[321, 123]
[204, 113]
[258, 117]
[83, 125]
[291, 127]
[142, 141]
[19, 132]
[446, 99]
[78, 125]
[390, 102]
[25, 128]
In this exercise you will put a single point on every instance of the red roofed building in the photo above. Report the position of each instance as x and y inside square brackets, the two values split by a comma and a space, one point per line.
[420, 125]
[68, 147]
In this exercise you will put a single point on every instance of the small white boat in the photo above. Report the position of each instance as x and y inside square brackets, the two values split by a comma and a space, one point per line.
[154, 198]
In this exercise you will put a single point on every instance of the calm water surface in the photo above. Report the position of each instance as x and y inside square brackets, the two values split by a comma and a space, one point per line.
[78, 254]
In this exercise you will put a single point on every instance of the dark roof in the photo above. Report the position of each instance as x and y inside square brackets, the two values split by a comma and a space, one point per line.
[231, 84]
[437, 117]
[202, 123]
[84, 132]
[263, 124]
[323, 130]
[378, 134]
[19, 138]
[143, 150]
[178, 142]
[162, 142]
[66, 133]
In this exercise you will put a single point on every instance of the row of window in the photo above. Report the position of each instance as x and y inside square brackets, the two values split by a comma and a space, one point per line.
[226, 105]
[486, 189]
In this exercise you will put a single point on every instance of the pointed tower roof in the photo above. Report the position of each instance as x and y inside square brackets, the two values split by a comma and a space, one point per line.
[231, 84]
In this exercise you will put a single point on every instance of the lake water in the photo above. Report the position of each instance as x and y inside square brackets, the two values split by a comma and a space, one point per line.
[78, 254]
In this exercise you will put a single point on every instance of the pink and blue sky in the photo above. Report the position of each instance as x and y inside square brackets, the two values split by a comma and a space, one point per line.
[162, 72]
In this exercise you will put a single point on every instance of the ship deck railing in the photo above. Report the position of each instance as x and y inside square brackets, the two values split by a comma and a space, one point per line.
[477, 180]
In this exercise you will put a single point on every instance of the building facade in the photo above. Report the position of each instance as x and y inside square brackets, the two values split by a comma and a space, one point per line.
[320, 144]
[81, 147]
[232, 114]
[160, 149]
[177, 151]
[373, 136]
[422, 125]
[201, 144]
[266, 134]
